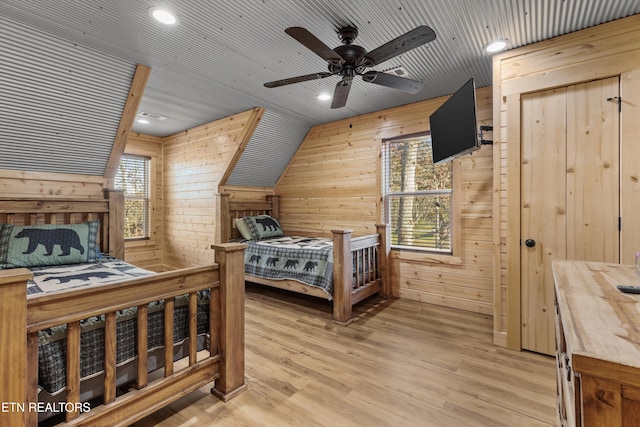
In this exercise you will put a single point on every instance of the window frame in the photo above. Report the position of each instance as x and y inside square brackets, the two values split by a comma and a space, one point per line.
[451, 256]
[147, 199]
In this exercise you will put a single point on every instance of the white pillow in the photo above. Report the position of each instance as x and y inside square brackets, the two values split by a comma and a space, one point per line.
[243, 229]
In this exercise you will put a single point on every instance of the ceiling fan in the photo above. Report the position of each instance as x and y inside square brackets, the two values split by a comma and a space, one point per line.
[350, 60]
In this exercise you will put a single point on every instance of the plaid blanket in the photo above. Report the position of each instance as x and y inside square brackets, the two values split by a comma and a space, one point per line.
[52, 341]
[61, 277]
[305, 259]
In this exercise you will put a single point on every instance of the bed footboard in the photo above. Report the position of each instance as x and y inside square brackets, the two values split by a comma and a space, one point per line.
[359, 270]
[22, 318]
[359, 263]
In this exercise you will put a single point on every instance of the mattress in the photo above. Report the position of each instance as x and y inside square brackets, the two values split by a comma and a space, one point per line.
[52, 341]
[308, 260]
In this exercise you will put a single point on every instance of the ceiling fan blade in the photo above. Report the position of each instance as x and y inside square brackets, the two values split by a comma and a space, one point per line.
[341, 93]
[290, 80]
[395, 82]
[313, 43]
[414, 38]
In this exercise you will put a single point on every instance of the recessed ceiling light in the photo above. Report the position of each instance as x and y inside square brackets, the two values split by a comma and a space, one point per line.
[144, 115]
[496, 46]
[163, 15]
[143, 121]
[324, 96]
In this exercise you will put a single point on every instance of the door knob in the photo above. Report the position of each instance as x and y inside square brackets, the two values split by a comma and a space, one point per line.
[530, 243]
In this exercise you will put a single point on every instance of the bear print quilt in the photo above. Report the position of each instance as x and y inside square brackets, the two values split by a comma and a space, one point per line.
[57, 278]
[305, 259]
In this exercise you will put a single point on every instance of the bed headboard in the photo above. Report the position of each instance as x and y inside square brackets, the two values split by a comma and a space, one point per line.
[109, 211]
[231, 209]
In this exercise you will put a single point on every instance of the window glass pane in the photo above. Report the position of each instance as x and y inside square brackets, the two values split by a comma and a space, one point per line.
[417, 195]
[421, 221]
[135, 213]
[411, 167]
[133, 178]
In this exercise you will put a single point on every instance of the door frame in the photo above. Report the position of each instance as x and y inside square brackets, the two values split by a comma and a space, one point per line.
[508, 259]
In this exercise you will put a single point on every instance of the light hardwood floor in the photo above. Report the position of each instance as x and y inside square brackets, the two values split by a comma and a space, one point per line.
[402, 363]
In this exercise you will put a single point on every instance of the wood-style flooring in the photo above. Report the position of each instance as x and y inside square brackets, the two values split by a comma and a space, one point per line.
[401, 363]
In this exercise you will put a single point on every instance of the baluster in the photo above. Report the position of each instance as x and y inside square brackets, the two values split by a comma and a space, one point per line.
[32, 377]
[109, 357]
[168, 337]
[73, 369]
[214, 321]
[143, 344]
[193, 328]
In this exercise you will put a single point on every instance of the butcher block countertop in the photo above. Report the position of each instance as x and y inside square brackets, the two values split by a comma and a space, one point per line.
[601, 324]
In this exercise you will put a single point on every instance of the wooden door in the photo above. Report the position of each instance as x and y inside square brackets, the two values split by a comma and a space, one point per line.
[569, 193]
[543, 212]
[593, 172]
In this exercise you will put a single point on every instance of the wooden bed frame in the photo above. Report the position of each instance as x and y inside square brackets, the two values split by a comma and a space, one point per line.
[21, 318]
[346, 251]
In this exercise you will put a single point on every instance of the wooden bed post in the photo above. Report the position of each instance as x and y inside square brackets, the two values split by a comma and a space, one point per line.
[224, 225]
[383, 257]
[13, 342]
[116, 222]
[342, 276]
[230, 257]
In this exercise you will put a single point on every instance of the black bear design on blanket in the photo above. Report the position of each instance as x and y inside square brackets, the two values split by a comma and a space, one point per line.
[63, 237]
[83, 276]
[267, 223]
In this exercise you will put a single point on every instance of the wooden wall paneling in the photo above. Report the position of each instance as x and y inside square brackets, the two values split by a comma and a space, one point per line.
[17, 184]
[195, 162]
[333, 182]
[512, 293]
[603, 51]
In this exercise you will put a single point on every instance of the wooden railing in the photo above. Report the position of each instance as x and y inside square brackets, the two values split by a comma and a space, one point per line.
[23, 317]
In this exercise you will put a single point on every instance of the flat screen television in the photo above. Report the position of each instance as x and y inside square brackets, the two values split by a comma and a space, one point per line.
[454, 129]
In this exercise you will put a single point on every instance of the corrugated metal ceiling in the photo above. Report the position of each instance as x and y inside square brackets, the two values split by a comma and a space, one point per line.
[60, 103]
[213, 64]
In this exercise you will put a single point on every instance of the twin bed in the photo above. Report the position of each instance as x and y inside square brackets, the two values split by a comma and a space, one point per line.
[97, 327]
[93, 330]
[343, 268]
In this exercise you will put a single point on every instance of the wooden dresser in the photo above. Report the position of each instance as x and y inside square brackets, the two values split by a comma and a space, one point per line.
[597, 344]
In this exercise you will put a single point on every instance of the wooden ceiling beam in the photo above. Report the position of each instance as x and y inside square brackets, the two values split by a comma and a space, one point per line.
[138, 84]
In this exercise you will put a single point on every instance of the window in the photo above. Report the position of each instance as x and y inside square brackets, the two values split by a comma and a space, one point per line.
[417, 195]
[133, 178]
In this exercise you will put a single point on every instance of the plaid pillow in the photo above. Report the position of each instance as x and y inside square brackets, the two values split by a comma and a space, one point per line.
[263, 226]
[47, 244]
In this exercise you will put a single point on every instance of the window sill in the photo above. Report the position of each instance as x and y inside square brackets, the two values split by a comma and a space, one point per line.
[138, 242]
[424, 256]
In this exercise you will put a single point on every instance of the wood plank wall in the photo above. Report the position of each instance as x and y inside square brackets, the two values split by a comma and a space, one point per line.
[148, 253]
[16, 184]
[611, 49]
[195, 163]
[333, 181]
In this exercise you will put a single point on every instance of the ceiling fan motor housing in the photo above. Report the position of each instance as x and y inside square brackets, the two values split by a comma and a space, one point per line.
[353, 56]
[348, 34]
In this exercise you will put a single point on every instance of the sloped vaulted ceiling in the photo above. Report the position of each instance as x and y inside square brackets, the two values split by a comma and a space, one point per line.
[60, 103]
[214, 63]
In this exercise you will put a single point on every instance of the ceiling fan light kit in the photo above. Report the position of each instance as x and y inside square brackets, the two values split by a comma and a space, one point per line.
[349, 60]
